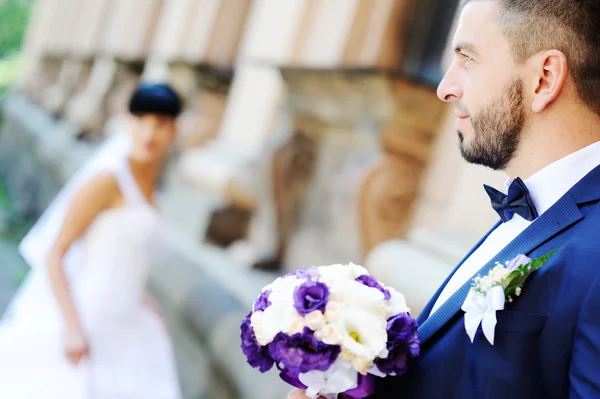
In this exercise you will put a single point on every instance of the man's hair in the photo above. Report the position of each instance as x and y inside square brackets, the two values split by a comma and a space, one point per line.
[571, 26]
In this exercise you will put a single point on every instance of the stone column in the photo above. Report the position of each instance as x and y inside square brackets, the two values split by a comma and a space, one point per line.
[91, 25]
[324, 33]
[254, 96]
[389, 192]
[224, 42]
[37, 73]
[120, 56]
[332, 34]
[376, 39]
[130, 30]
[194, 48]
[175, 17]
[65, 27]
[451, 195]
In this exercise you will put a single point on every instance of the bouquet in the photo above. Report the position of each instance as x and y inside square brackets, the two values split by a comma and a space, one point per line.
[330, 330]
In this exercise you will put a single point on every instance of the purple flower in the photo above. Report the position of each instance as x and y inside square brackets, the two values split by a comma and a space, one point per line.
[370, 281]
[302, 353]
[292, 379]
[258, 356]
[309, 274]
[403, 344]
[263, 301]
[367, 385]
[516, 262]
[310, 296]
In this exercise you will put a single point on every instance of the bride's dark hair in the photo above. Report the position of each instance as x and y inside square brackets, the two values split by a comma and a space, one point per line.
[155, 98]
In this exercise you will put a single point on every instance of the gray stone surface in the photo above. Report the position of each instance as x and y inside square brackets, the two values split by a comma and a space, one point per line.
[209, 297]
[332, 207]
[12, 266]
[12, 269]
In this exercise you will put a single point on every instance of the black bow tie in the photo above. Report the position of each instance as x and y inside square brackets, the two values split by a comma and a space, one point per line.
[517, 201]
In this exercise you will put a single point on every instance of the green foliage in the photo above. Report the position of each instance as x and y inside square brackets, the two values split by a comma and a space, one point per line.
[517, 278]
[5, 200]
[14, 16]
[9, 70]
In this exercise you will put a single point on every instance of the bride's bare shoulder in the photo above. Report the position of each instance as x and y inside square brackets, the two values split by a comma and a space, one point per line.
[102, 182]
[96, 195]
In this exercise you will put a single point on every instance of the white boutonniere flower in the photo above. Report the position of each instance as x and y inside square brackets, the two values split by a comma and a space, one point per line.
[490, 293]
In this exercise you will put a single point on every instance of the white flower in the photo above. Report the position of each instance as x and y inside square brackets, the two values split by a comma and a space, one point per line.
[315, 320]
[385, 312]
[363, 333]
[362, 365]
[345, 354]
[330, 334]
[384, 354]
[340, 377]
[357, 270]
[485, 284]
[281, 316]
[284, 286]
[332, 311]
[335, 295]
[257, 325]
[359, 296]
[518, 291]
[500, 275]
[397, 303]
[334, 273]
[296, 327]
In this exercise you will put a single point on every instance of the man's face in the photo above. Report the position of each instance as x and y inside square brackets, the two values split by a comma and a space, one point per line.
[485, 87]
[152, 136]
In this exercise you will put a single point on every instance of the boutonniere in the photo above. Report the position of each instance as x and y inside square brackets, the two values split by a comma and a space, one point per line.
[490, 293]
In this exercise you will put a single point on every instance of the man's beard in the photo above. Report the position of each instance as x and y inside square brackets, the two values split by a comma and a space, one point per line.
[497, 129]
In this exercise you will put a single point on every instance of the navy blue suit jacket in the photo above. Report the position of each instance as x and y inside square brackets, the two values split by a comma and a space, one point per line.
[547, 341]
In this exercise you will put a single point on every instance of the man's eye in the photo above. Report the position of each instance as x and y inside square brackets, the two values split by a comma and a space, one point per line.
[466, 58]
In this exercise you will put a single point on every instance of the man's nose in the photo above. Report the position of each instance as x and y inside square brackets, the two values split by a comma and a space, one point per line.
[449, 89]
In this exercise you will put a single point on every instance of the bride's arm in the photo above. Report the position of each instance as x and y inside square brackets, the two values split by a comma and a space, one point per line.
[94, 197]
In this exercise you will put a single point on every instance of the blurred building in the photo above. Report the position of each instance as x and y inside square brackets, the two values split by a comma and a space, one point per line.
[312, 133]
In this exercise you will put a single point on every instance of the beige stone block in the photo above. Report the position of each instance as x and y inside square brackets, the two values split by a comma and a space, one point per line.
[376, 38]
[418, 107]
[170, 36]
[131, 27]
[90, 27]
[413, 272]
[227, 32]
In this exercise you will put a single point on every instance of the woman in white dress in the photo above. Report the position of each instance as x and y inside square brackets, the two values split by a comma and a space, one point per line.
[82, 326]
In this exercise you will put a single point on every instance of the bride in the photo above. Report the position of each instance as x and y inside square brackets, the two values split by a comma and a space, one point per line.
[82, 326]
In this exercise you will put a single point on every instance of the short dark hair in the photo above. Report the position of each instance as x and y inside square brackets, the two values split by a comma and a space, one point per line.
[571, 26]
[155, 98]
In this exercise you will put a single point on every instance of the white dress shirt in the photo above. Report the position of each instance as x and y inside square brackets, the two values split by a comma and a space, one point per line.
[545, 187]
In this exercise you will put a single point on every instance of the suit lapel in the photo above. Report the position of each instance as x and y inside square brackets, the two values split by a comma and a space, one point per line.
[427, 309]
[562, 215]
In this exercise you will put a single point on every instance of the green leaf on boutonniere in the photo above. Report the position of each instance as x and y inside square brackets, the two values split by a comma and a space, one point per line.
[516, 279]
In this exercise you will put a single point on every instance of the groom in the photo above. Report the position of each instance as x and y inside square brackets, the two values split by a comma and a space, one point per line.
[525, 84]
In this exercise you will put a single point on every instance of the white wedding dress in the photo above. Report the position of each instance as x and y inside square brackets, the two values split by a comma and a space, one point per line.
[130, 350]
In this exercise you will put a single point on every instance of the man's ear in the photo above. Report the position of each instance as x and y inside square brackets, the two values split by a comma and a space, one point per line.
[550, 70]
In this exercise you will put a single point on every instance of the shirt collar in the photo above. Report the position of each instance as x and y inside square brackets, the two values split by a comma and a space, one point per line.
[552, 182]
